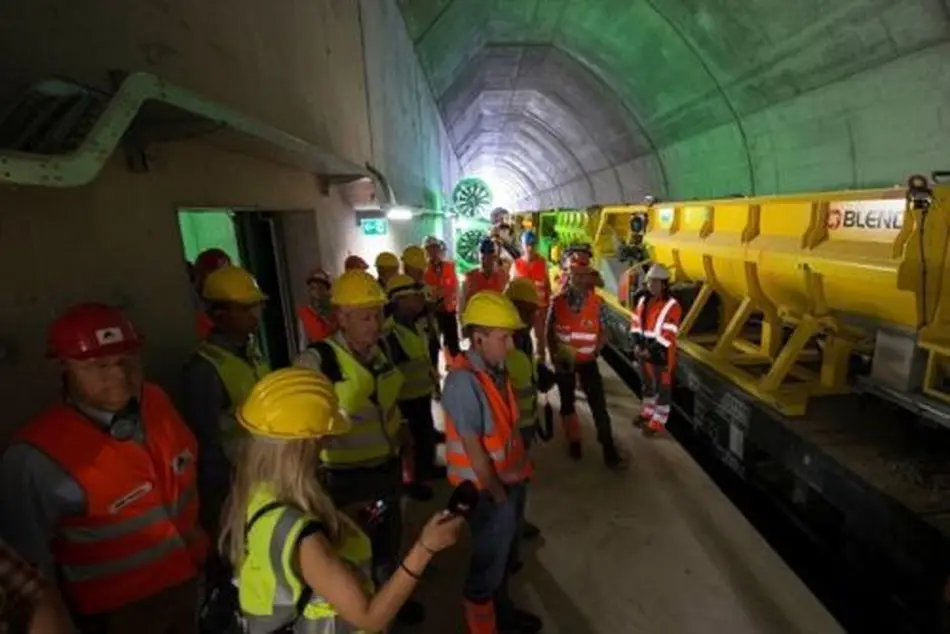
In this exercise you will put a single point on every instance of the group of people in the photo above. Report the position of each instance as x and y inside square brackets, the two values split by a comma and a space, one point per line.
[281, 490]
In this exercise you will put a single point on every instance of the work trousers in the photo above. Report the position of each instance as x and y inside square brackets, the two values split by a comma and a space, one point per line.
[494, 529]
[425, 437]
[449, 327]
[171, 611]
[657, 390]
[588, 374]
[356, 488]
[528, 435]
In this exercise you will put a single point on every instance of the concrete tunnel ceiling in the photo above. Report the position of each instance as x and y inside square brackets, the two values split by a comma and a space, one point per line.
[569, 102]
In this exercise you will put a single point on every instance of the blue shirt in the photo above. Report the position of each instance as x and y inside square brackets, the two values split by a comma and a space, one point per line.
[465, 401]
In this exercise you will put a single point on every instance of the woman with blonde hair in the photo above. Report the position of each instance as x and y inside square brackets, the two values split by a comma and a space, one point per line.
[302, 566]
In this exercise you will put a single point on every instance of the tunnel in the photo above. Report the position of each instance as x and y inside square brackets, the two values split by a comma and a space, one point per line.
[296, 134]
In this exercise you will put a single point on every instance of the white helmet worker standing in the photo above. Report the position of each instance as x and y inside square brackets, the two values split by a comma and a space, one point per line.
[658, 272]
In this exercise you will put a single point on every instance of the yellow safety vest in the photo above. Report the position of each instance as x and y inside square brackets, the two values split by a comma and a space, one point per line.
[369, 400]
[269, 587]
[238, 377]
[415, 365]
[524, 382]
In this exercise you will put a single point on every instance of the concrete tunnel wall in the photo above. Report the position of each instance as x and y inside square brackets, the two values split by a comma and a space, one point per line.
[572, 102]
[335, 72]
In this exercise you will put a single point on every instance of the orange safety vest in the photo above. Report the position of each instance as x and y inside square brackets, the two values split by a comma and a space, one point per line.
[578, 330]
[504, 445]
[476, 281]
[204, 325]
[659, 319]
[536, 270]
[315, 325]
[444, 278]
[139, 534]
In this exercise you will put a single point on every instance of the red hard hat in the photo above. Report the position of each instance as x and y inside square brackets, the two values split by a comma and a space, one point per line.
[211, 260]
[355, 262]
[87, 331]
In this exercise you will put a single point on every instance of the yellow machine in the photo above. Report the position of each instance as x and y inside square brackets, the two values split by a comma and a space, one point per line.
[799, 285]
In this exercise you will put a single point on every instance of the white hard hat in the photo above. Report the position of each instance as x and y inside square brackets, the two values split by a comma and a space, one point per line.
[658, 272]
[431, 241]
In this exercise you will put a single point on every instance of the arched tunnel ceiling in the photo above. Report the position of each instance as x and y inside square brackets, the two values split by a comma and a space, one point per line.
[578, 101]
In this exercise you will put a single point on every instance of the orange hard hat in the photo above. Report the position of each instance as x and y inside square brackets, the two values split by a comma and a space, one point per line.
[91, 330]
[355, 262]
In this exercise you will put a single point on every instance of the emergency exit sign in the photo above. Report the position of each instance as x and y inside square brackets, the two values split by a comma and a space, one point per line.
[374, 226]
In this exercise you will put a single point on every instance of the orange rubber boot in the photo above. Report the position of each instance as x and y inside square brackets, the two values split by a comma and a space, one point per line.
[480, 617]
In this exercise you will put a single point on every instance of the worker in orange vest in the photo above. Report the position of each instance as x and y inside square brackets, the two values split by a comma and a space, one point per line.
[484, 447]
[442, 284]
[207, 262]
[488, 277]
[355, 262]
[654, 327]
[315, 321]
[576, 334]
[99, 490]
[535, 268]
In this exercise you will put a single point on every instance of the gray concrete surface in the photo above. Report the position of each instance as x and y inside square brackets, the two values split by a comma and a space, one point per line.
[582, 101]
[655, 550]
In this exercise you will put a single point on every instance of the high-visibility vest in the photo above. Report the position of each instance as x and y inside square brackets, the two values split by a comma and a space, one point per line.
[409, 350]
[204, 325]
[369, 399]
[536, 270]
[504, 445]
[524, 382]
[578, 331]
[658, 319]
[476, 281]
[445, 278]
[270, 588]
[138, 534]
[238, 376]
[315, 325]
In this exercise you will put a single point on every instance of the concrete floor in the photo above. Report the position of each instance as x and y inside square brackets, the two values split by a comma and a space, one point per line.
[658, 549]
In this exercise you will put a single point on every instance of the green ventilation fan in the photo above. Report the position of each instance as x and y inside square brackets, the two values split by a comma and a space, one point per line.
[471, 198]
[466, 248]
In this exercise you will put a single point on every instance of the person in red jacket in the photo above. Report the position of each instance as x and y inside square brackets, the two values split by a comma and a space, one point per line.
[535, 268]
[100, 490]
[654, 326]
[488, 277]
[442, 285]
[315, 321]
[206, 263]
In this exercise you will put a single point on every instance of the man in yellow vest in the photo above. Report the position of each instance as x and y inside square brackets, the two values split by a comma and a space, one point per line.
[407, 346]
[362, 467]
[414, 263]
[527, 379]
[217, 379]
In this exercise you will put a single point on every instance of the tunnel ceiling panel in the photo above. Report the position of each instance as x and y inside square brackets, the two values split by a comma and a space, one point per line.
[589, 85]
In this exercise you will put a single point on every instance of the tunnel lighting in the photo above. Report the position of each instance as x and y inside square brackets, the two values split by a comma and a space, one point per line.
[399, 213]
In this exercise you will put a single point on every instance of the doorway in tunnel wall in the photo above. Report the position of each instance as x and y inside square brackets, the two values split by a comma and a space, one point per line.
[254, 240]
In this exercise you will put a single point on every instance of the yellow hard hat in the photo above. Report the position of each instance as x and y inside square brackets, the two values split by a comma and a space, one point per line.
[291, 404]
[357, 289]
[387, 259]
[556, 253]
[414, 257]
[522, 289]
[402, 284]
[232, 284]
[491, 309]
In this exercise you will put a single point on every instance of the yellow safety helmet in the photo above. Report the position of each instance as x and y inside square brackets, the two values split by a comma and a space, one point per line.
[414, 257]
[402, 284]
[292, 404]
[522, 289]
[387, 259]
[357, 289]
[556, 253]
[491, 309]
[232, 284]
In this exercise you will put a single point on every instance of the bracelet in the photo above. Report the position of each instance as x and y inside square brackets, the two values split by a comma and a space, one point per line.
[415, 575]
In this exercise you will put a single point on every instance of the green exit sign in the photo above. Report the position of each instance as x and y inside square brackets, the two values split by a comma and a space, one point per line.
[374, 226]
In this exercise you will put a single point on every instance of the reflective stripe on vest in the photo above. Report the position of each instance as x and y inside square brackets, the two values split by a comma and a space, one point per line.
[504, 445]
[655, 329]
[417, 367]
[238, 377]
[269, 586]
[578, 330]
[369, 400]
[524, 382]
[138, 534]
